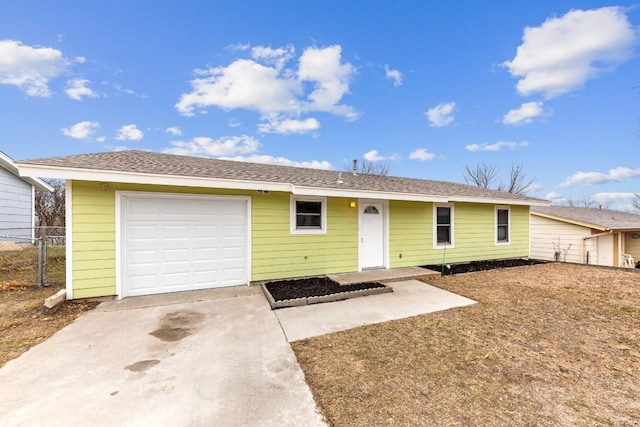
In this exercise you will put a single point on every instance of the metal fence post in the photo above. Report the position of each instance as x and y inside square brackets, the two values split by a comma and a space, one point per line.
[40, 276]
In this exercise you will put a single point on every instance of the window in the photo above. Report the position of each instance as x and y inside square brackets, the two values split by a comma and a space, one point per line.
[443, 226]
[371, 210]
[502, 225]
[308, 215]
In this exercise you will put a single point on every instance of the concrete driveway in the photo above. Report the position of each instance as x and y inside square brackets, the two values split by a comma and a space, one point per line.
[192, 359]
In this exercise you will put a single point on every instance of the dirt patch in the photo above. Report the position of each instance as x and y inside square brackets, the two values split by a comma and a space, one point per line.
[23, 323]
[481, 265]
[551, 344]
[312, 287]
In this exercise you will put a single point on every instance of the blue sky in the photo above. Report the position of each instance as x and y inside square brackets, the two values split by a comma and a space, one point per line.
[425, 87]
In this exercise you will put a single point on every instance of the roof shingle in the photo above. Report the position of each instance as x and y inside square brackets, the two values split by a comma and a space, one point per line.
[143, 162]
[604, 218]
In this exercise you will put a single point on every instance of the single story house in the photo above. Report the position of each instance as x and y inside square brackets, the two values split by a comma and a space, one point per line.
[143, 223]
[585, 235]
[17, 198]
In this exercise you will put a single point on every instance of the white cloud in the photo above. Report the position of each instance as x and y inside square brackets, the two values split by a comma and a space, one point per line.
[373, 156]
[264, 84]
[30, 68]
[223, 146]
[81, 130]
[591, 178]
[511, 145]
[77, 88]
[421, 154]
[553, 196]
[563, 53]
[282, 161]
[394, 75]
[288, 126]
[101, 139]
[243, 84]
[525, 114]
[441, 115]
[173, 130]
[324, 66]
[278, 57]
[610, 197]
[129, 133]
[80, 59]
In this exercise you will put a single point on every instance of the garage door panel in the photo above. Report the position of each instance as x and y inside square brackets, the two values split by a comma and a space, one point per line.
[179, 243]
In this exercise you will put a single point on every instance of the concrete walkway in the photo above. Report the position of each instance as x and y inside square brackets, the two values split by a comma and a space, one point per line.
[409, 298]
[205, 358]
[382, 275]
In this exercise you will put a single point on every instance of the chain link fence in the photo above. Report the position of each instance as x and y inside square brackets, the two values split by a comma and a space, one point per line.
[32, 246]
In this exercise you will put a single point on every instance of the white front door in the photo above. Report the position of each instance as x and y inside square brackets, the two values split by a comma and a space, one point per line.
[372, 235]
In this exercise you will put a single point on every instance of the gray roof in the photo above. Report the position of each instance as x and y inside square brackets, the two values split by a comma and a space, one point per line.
[606, 219]
[144, 162]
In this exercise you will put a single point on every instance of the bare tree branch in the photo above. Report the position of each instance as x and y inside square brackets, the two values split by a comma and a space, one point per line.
[484, 175]
[518, 182]
[50, 206]
[585, 202]
[367, 167]
[636, 202]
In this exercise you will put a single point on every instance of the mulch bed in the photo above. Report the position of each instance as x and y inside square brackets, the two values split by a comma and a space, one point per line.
[313, 287]
[481, 265]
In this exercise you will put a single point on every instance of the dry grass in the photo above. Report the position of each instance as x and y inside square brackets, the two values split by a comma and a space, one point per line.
[552, 344]
[22, 321]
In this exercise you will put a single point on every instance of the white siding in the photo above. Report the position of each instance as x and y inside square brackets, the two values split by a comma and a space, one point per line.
[545, 232]
[15, 206]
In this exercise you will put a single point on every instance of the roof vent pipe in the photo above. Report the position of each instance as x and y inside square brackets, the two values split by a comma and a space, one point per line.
[355, 167]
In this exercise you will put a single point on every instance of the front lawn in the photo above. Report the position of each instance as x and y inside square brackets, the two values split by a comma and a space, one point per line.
[553, 344]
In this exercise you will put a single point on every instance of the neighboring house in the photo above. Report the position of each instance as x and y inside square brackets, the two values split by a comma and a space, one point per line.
[584, 235]
[17, 195]
[144, 223]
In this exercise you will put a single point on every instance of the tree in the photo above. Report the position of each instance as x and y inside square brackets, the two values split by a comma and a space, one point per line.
[518, 182]
[585, 202]
[368, 167]
[50, 206]
[636, 202]
[485, 176]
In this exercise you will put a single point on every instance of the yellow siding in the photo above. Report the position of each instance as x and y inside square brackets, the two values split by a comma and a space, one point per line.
[411, 234]
[276, 253]
[279, 254]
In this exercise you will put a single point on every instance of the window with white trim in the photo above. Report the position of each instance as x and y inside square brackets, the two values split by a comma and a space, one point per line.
[308, 215]
[503, 229]
[443, 235]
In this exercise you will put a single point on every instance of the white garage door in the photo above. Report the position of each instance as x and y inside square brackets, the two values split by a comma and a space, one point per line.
[174, 243]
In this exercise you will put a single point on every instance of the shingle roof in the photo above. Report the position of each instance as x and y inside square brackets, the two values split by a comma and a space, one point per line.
[603, 218]
[143, 162]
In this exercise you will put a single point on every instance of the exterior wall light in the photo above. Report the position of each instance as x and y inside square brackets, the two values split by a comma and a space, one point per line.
[352, 203]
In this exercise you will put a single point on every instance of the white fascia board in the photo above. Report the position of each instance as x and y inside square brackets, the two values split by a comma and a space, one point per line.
[363, 194]
[152, 179]
[570, 221]
[7, 163]
[500, 201]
